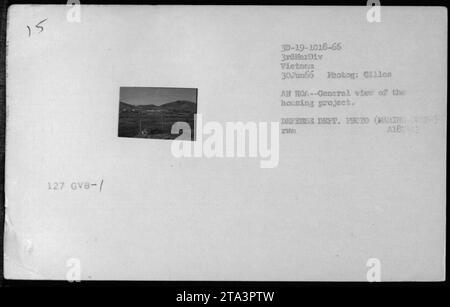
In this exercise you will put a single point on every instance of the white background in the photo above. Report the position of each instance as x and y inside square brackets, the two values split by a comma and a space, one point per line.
[339, 196]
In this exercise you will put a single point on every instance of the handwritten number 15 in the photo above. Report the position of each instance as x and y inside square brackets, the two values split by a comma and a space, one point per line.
[38, 26]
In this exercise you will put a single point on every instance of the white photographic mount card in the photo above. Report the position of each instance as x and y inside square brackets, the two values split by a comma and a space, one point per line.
[124, 127]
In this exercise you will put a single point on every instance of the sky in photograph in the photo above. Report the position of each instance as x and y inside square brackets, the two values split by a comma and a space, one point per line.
[156, 95]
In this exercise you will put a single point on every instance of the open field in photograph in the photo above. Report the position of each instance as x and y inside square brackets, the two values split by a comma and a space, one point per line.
[155, 122]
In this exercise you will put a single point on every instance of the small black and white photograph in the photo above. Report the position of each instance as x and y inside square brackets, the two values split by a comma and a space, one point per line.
[150, 112]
